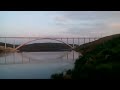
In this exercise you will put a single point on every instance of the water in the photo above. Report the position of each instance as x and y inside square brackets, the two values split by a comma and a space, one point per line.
[35, 65]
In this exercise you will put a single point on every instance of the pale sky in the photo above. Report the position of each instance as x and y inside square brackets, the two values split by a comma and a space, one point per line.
[59, 23]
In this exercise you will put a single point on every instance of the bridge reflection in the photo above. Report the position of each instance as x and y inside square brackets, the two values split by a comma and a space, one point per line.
[23, 58]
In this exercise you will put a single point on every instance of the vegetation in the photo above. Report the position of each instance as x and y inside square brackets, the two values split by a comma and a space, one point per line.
[7, 45]
[1, 49]
[100, 60]
[37, 47]
[7, 50]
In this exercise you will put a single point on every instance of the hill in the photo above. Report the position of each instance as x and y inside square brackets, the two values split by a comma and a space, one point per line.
[84, 48]
[36, 47]
[100, 60]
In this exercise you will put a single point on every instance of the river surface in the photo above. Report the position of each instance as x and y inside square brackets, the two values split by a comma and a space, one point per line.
[35, 65]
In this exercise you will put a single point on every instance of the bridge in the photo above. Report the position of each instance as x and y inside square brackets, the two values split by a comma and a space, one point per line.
[59, 39]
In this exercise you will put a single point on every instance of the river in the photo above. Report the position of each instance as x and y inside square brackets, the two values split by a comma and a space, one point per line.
[35, 65]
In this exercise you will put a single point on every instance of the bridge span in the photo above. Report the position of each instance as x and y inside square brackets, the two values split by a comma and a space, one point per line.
[59, 39]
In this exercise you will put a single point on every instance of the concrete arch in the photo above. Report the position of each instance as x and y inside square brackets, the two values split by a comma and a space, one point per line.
[40, 39]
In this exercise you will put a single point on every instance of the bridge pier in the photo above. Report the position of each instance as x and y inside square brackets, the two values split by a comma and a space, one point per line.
[5, 42]
[73, 56]
[22, 57]
[89, 39]
[94, 39]
[29, 38]
[5, 57]
[67, 55]
[78, 42]
[14, 58]
[14, 44]
[84, 40]
[67, 40]
[73, 43]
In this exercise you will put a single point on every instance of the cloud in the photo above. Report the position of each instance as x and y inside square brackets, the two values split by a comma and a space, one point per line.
[89, 22]
[67, 22]
[85, 15]
[88, 16]
[115, 25]
[60, 18]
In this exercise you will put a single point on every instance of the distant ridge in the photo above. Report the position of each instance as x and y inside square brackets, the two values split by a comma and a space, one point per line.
[37, 47]
[87, 47]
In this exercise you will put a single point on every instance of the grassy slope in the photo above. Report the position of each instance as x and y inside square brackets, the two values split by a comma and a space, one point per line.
[100, 60]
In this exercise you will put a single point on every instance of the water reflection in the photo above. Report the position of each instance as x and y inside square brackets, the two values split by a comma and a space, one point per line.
[38, 57]
[35, 65]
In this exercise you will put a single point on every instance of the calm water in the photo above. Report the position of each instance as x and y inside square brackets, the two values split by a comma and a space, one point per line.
[35, 65]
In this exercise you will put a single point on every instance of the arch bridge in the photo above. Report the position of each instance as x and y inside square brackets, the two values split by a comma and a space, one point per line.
[31, 39]
[72, 47]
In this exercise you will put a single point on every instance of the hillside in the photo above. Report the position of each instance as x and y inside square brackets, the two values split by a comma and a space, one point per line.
[100, 60]
[45, 47]
[38, 47]
[84, 48]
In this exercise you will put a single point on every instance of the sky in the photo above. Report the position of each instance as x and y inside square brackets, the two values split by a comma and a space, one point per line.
[59, 23]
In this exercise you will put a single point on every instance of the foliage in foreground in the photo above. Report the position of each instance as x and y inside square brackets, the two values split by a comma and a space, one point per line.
[102, 62]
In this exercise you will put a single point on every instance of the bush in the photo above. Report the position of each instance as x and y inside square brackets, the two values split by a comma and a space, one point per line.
[57, 76]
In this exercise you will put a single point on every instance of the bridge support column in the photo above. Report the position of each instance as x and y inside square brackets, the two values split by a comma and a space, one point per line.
[14, 58]
[84, 42]
[73, 43]
[78, 42]
[67, 55]
[5, 42]
[14, 44]
[95, 39]
[73, 56]
[29, 60]
[5, 57]
[67, 40]
[89, 39]
[22, 57]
